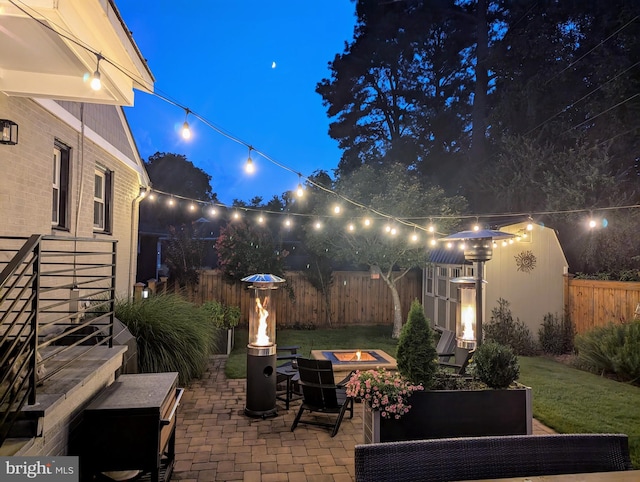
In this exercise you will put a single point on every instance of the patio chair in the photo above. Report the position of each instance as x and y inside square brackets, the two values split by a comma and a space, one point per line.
[446, 345]
[321, 394]
[462, 358]
[287, 374]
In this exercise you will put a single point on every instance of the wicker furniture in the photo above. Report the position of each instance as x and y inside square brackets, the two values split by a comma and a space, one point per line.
[475, 458]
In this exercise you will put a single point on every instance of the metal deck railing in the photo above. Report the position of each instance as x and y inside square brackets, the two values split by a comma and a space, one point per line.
[56, 294]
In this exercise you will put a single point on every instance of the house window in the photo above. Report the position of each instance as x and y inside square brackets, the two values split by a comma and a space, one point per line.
[60, 186]
[102, 196]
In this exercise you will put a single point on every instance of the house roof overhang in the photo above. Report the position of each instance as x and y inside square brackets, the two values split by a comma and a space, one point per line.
[49, 51]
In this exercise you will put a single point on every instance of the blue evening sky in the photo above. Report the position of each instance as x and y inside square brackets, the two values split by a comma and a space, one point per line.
[217, 58]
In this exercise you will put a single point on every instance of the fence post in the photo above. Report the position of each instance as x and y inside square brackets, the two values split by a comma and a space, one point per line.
[137, 291]
[152, 286]
[163, 282]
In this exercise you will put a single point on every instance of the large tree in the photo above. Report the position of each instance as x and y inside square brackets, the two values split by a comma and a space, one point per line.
[384, 245]
[175, 174]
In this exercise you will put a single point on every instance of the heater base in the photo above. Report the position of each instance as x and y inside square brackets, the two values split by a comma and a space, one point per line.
[260, 414]
[261, 386]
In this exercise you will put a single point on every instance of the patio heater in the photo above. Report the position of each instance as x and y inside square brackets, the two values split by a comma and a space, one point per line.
[261, 350]
[478, 248]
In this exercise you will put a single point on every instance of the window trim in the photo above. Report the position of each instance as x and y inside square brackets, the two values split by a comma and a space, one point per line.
[106, 200]
[61, 182]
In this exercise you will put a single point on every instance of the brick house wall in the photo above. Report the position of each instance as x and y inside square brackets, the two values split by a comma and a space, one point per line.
[98, 137]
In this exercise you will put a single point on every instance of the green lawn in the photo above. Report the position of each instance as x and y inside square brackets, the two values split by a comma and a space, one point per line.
[573, 401]
[371, 337]
[565, 399]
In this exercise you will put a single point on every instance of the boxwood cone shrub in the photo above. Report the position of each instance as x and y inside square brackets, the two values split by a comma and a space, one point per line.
[496, 364]
[416, 353]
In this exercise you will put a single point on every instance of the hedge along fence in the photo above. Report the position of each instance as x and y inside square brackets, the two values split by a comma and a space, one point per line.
[593, 303]
[355, 298]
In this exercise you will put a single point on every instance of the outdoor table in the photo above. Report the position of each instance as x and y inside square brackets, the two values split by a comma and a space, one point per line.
[618, 476]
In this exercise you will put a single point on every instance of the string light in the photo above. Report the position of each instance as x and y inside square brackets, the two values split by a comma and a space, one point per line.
[171, 202]
[213, 211]
[96, 84]
[249, 167]
[287, 222]
[300, 190]
[476, 227]
[337, 209]
[366, 222]
[317, 225]
[186, 130]
[351, 227]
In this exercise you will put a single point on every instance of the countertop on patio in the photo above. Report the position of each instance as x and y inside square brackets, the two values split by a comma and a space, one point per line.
[215, 441]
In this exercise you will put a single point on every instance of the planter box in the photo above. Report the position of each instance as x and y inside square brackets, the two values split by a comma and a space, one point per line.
[455, 413]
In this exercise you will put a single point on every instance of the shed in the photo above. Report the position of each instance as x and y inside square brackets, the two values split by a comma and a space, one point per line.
[527, 271]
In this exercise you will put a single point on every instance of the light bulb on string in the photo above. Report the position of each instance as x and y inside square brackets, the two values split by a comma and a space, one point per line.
[476, 227]
[530, 224]
[151, 196]
[186, 130]
[393, 231]
[249, 167]
[192, 207]
[337, 209]
[171, 202]
[96, 83]
[213, 211]
[300, 189]
[414, 237]
[433, 242]
[317, 225]
[287, 222]
[351, 228]
[236, 215]
[431, 228]
[261, 219]
[366, 222]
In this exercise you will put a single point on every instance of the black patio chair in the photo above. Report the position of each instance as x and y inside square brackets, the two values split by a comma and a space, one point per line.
[320, 393]
[446, 345]
[462, 358]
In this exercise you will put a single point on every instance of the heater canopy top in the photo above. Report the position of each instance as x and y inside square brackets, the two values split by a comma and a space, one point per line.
[263, 278]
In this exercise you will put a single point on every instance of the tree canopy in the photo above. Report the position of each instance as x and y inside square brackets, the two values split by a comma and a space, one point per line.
[378, 246]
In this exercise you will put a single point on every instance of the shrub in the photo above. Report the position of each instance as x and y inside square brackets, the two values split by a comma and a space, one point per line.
[503, 329]
[612, 349]
[173, 335]
[223, 317]
[496, 364]
[416, 353]
[556, 335]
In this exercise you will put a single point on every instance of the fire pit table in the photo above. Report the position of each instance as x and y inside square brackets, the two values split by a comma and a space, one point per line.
[344, 361]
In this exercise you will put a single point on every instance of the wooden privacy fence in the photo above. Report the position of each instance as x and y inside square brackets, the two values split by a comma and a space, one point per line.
[355, 298]
[593, 303]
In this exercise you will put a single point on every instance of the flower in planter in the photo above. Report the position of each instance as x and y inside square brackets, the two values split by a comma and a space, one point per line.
[382, 390]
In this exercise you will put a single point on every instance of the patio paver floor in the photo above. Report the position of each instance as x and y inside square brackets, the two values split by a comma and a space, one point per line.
[215, 441]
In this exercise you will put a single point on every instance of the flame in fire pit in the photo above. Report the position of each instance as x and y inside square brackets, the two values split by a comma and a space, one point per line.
[262, 339]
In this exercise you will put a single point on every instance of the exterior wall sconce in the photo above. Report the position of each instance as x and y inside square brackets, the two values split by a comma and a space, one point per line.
[9, 132]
